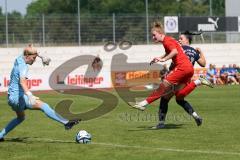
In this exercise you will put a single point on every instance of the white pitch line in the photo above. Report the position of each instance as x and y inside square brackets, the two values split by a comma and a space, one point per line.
[138, 147]
[169, 149]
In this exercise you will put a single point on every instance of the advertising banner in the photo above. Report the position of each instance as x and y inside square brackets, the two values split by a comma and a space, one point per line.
[171, 24]
[134, 78]
[208, 24]
[41, 81]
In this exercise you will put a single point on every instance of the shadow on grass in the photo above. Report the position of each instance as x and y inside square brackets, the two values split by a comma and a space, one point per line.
[17, 139]
[30, 140]
[167, 126]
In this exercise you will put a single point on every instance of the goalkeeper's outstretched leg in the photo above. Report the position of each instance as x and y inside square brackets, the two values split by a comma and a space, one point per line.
[44, 107]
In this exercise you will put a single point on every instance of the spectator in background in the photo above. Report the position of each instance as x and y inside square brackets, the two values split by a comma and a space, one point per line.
[97, 64]
[224, 74]
[237, 68]
[212, 74]
[232, 73]
[219, 81]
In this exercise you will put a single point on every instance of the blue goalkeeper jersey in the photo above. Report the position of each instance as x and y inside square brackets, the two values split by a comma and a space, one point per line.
[20, 70]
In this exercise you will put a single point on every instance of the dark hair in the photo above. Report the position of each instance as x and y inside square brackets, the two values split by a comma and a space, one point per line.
[188, 35]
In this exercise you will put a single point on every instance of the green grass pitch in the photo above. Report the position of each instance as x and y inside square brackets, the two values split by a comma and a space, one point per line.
[125, 133]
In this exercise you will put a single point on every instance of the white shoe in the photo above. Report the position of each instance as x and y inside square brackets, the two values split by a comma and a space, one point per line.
[205, 81]
[136, 106]
[152, 86]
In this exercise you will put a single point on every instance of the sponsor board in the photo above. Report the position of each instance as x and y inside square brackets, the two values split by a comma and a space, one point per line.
[134, 78]
[171, 24]
[208, 24]
[100, 81]
[41, 81]
[36, 83]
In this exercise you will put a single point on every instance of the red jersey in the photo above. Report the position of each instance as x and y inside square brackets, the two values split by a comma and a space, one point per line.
[181, 58]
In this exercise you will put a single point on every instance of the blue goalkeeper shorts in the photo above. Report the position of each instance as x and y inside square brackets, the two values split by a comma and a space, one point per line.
[19, 103]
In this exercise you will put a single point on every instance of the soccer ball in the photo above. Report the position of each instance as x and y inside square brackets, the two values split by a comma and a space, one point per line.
[83, 137]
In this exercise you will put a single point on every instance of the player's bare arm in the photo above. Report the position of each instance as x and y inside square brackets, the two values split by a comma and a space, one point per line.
[202, 60]
[157, 59]
[165, 57]
[173, 53]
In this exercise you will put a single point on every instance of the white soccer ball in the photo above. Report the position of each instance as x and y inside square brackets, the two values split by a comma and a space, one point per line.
[83, 137]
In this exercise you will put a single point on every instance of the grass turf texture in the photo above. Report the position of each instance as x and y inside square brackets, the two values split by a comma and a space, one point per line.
[125, 133]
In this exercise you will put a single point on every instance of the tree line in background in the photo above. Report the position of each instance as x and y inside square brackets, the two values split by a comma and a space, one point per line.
[61, 20]
[160, 7]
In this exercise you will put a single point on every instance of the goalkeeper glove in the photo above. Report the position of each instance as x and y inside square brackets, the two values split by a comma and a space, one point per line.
[46, 61]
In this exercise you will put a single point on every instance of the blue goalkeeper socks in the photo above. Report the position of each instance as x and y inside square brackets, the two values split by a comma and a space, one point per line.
[52, 114]
[45, 108]
[10, 126]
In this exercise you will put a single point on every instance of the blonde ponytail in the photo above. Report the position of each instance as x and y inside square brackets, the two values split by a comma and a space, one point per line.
[158, 27]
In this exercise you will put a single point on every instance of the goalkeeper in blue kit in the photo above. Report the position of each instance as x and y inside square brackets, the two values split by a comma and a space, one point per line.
[21, 98]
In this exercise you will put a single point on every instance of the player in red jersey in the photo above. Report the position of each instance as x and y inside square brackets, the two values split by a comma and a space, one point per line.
[194, 55]
[178, 77]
